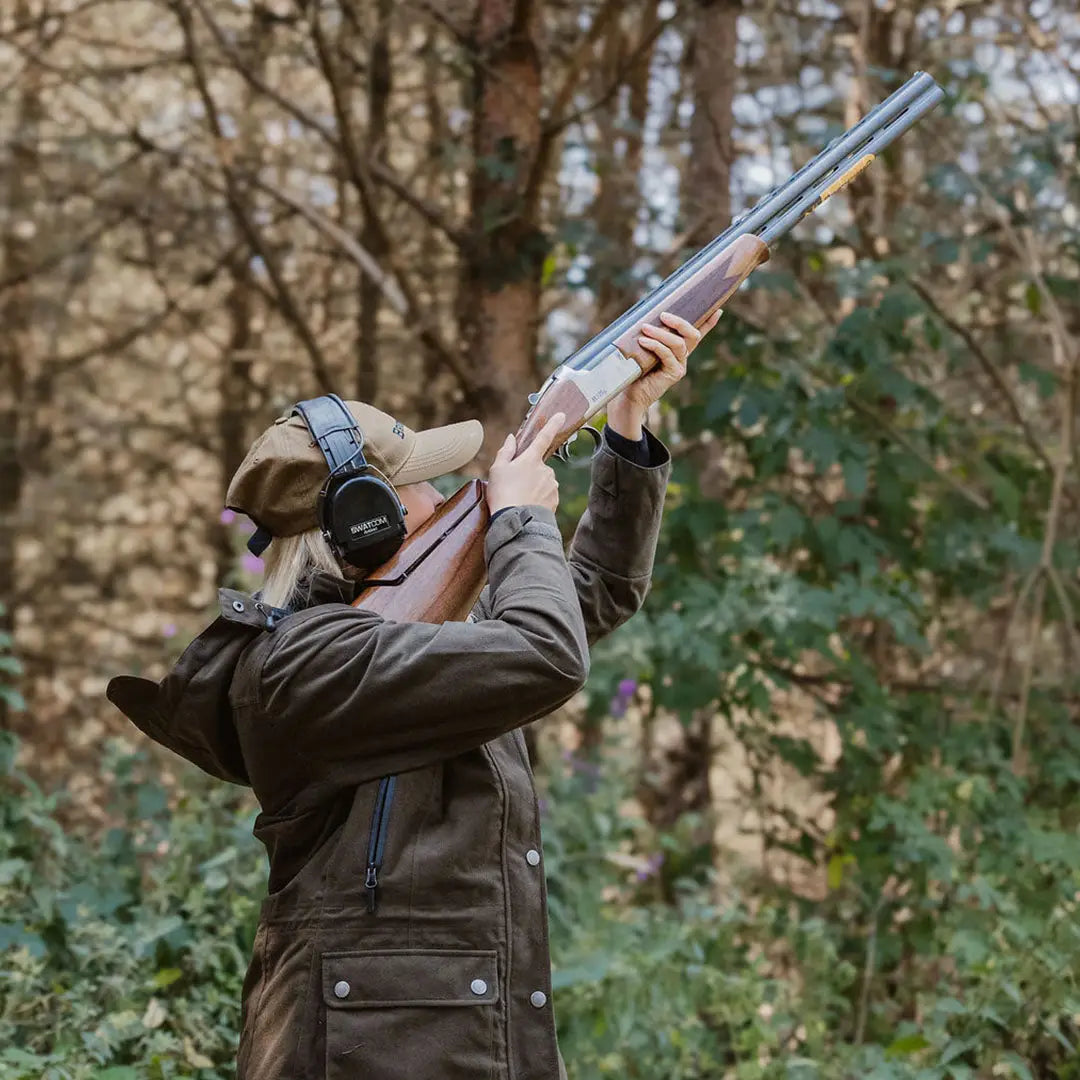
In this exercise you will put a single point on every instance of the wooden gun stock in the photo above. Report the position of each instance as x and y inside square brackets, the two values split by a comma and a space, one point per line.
[438, 572]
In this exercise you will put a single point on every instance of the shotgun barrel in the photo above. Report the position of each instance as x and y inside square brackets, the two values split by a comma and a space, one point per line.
[783, 207]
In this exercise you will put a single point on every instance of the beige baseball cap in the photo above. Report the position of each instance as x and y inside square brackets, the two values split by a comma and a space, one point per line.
[278, 483]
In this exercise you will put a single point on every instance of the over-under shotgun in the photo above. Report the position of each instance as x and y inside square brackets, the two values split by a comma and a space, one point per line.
[439, 571]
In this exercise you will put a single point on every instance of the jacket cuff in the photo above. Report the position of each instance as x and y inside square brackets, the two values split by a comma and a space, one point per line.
[647, 453]
[513, 521]
[637, 453]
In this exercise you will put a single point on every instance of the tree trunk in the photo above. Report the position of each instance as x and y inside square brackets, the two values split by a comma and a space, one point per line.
[371, 237]
[436, 190]
[684, 766]
[621, 144]
[236, 404]
[707, 197]
[235, 399]
[881, 42]
[500, 286]
[16, 316]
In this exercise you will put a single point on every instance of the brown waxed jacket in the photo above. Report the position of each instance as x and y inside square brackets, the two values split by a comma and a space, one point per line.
[404, 936]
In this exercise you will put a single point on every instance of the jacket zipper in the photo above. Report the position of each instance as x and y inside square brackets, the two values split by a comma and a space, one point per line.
[380, 823]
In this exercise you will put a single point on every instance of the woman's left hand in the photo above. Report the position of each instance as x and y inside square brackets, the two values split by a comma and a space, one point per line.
[671, 344]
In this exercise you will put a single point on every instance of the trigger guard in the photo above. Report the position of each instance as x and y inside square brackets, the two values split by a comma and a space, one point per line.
[580, 462]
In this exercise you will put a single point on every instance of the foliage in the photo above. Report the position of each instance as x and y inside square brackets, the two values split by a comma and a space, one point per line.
[123, 954]
[123, 958]
[974, 978]
[851, 562]
[10, 670]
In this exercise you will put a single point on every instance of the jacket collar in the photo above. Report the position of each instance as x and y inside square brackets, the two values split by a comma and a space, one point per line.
[320, 587]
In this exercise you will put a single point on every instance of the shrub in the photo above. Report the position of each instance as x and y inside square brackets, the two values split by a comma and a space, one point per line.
[122, 952]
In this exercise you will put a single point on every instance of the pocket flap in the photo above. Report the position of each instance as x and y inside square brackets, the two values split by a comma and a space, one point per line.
[384, 978]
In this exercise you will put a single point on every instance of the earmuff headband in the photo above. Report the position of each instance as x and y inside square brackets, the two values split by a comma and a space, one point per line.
[335, 431]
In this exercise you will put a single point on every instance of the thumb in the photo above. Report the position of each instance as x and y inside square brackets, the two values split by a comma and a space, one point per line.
[506, 451]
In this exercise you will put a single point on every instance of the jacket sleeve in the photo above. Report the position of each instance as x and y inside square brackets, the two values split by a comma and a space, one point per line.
[612, 552]
[345, 696]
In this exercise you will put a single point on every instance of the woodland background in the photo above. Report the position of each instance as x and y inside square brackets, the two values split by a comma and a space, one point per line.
[816, 813]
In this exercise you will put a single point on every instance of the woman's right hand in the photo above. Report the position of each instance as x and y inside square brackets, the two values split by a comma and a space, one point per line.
[525, 480]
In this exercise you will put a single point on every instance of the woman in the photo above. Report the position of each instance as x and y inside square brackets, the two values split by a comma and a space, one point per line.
[405, 931]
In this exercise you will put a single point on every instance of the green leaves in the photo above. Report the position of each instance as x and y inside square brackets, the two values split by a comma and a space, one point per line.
[117, 960]
[10, 670]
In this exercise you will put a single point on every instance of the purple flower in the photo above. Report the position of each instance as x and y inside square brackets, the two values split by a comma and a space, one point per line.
[624, 694]
[580, 765]
[168, 630]
[542, 807]
[227, 517]
[252, 563]
[652, 865]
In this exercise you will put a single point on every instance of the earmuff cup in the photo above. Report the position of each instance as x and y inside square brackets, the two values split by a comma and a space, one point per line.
[362, 517]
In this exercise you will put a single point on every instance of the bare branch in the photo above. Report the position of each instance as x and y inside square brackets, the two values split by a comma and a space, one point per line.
[383, 173]
[286, 301]
[364, 260]
[1066, 451]
[578, 62]
[987, 365]
[972, 497]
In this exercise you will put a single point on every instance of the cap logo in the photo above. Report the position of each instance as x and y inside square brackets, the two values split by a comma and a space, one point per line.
[399, 429]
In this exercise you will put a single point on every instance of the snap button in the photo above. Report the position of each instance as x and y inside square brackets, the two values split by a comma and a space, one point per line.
[237, 606]
[538, 999]
[532, 857]
[341, 989]
[478, 986]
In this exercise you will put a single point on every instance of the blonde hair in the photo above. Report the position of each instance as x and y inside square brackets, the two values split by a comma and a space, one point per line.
[291, 559]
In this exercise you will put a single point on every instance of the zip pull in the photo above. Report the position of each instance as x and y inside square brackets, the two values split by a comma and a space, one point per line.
[371, 883]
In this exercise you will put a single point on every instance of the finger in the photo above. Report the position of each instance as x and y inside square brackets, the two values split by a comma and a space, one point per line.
[547, 434]
[678, 345]
[712, 320]
[683, 326]
[671, 364]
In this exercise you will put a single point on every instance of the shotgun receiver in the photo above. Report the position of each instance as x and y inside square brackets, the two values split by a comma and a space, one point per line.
[439, 571]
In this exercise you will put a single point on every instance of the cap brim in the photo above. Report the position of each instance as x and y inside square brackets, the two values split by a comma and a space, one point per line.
[440, 450]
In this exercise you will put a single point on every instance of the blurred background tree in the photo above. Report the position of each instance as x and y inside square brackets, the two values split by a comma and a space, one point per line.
[816, 813]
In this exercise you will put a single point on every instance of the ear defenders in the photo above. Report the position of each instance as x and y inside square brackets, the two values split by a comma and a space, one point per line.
[360, 514]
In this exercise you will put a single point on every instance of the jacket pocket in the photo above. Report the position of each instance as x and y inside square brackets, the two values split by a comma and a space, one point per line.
[406, 1014]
